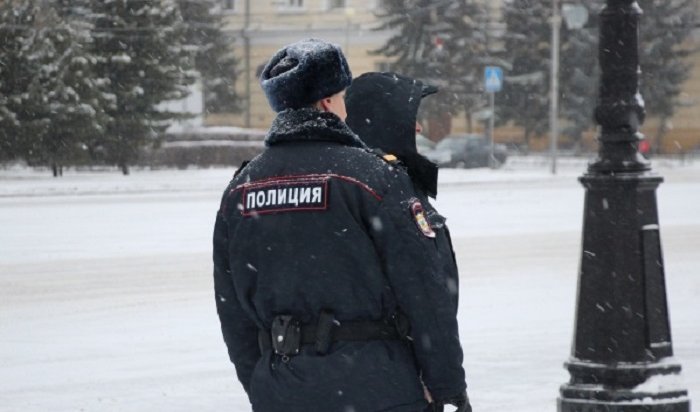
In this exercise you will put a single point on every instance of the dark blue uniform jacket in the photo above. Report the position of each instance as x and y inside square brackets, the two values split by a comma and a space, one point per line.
[318, 222]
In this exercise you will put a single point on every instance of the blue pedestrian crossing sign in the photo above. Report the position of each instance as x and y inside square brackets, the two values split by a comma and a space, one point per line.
[493, 79]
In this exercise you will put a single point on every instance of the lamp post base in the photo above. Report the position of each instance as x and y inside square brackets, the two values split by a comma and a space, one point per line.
[636, 387]
[647, 404]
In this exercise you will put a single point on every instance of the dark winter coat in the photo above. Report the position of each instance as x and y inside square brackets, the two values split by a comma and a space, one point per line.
[349, 244]
[382, 109]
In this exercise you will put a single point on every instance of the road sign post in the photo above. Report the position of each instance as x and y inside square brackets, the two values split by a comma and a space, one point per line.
[493, 83]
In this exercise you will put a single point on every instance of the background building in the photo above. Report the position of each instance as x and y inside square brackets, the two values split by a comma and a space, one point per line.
[262, 27]
[684, 129]
[259, 28]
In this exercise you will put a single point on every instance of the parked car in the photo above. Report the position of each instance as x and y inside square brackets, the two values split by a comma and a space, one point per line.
[466, 150]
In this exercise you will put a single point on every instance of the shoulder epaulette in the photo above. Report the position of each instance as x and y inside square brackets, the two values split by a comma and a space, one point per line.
[387, 157]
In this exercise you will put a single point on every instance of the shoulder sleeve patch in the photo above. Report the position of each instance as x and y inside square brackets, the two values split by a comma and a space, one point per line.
[419, 217]
[285, 195]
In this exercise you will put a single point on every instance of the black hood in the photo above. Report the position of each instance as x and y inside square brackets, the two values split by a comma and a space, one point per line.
[382, 109]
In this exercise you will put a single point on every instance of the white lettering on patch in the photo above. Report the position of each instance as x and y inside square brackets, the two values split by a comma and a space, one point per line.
[286, 195]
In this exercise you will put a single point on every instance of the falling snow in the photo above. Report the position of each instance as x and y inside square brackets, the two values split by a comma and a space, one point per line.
[106, 297]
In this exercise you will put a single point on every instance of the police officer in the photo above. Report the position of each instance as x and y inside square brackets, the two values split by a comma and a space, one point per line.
[382, 109]
[328, 287]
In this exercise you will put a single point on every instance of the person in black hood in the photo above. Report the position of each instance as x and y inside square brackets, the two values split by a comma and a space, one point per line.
[328, 291]
[382, 109]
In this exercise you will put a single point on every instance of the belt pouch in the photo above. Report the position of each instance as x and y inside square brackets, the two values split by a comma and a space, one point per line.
[324, 332]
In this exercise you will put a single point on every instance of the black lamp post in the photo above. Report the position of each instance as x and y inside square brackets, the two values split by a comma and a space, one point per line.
[621, 358]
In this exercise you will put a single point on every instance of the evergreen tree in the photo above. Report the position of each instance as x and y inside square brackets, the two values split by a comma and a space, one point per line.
[579, 75]
[471, 39]
[16, 21]
[66, 100]
[525, 96]
[443, 43]
[213, 56]
[665, 27]
[663, 59]
[139, 44]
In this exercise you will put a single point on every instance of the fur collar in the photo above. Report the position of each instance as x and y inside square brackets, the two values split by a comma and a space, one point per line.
[309, 124]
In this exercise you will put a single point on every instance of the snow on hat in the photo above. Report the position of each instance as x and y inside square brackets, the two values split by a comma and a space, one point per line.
[303, 73]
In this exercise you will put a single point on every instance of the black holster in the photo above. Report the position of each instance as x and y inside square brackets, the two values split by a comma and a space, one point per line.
[286, 335]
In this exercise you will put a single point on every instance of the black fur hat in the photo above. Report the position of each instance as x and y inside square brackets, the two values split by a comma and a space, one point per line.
[303, 73]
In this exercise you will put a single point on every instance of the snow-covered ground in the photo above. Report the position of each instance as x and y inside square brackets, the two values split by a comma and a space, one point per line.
[106, 294]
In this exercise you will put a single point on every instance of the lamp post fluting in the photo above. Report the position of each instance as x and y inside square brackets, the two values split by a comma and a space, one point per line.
[621, 358]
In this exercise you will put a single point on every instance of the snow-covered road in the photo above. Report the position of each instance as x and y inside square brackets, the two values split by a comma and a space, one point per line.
[106, 294]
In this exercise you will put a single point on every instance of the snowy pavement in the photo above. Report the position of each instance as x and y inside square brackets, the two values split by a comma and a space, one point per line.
[106, 294]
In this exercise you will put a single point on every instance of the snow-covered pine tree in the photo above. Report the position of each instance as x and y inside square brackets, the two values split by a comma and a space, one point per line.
[213, 56]
[443, 43]
[417, 52]
[16, 21]
[66, 99]
[665, 27]
[471, 42]
[525, 96]
[139, 44]
[579, 74]
[412, 44]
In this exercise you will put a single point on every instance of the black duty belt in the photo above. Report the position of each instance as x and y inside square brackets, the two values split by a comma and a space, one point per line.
[287, 334]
